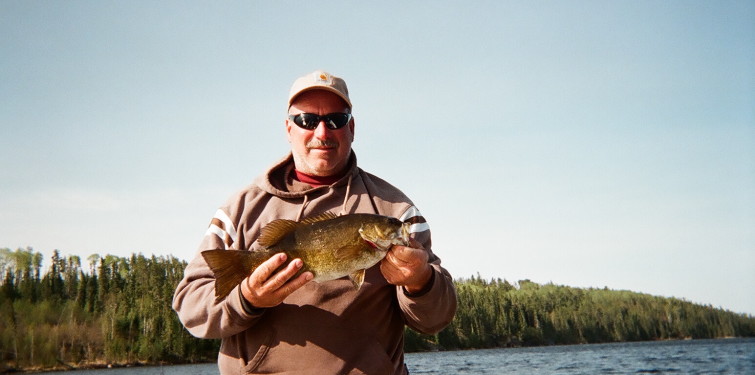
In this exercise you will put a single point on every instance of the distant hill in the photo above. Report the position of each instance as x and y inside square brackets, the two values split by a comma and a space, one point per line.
[117, 310]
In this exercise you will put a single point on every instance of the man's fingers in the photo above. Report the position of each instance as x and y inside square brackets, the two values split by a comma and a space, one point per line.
[406, 265]
[398, 255]
[404, 255]
[267, 268]
[296, 283]
[269, 285]
[279, 279]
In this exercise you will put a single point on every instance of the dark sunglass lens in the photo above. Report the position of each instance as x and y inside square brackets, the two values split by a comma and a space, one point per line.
[337, 120]
[307, 120]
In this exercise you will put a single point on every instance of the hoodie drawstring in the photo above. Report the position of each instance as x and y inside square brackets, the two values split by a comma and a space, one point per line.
[303, 206]
[346, 198]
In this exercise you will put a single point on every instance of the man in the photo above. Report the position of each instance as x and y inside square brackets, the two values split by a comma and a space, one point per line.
[277, 322]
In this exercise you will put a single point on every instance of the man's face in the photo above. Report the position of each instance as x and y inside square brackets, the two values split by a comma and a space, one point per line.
[321, 151]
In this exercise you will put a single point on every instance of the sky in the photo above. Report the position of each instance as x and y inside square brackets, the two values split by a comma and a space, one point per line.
[580, 143]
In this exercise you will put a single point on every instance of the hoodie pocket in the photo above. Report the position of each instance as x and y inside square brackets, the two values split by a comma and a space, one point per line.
[340, 354]
[262, 351]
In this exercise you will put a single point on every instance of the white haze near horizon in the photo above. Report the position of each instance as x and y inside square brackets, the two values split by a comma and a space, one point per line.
[584, 143]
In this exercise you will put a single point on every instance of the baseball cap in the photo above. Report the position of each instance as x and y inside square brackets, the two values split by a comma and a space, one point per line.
[319, 80]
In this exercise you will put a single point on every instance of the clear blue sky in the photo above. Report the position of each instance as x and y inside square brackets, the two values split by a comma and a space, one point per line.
[584, 143]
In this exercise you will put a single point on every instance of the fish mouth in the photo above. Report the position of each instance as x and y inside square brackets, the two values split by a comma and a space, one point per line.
[384, 241]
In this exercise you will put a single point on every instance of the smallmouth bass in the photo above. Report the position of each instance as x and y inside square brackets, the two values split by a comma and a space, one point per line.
[330, 247]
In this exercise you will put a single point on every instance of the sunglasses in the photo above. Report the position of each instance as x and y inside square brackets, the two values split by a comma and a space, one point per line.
[310, 121]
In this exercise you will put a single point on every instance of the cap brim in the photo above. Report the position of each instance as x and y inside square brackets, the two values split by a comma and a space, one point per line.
[324, 88]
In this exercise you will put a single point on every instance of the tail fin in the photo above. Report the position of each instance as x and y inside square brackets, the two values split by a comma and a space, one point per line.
[230, 267]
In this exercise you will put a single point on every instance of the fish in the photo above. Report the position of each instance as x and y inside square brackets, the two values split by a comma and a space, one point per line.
[330, 246]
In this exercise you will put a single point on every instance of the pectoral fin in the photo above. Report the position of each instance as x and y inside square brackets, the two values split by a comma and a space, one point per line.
[357, 278]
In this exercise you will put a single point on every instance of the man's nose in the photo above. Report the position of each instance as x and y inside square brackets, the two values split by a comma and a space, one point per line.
[321, 131]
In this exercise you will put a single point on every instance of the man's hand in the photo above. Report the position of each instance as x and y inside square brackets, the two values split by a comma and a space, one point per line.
[407, 266]
[267, 288]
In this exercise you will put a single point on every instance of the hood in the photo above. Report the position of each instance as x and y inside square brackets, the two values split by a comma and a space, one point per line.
[279, 181]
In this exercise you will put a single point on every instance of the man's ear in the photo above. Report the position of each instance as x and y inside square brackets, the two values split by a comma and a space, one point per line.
[351, 127]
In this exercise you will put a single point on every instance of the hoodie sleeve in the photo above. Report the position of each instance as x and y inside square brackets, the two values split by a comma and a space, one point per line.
[433, 308]
[194, 298]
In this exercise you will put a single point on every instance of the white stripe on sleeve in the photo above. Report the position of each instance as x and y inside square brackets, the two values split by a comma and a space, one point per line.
[222, 226]
[413, 215]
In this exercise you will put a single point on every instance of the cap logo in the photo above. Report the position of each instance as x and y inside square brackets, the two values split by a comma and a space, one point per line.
[322, 77]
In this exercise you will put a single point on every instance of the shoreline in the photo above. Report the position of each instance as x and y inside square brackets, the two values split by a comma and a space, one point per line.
[63, 367]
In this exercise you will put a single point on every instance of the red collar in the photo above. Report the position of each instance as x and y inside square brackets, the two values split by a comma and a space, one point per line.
[316, 181]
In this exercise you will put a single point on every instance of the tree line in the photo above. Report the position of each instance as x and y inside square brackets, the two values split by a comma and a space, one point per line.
[496, 313]
[117, 310]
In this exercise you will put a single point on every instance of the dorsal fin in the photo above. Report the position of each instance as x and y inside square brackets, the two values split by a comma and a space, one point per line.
[321, 217]
[273, 232]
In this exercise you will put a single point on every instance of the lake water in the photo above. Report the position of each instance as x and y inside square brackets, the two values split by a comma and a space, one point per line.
[730, 356]
[733, 356]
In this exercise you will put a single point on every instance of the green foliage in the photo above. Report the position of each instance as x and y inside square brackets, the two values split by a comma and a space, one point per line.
[497, 314]
[118, 310]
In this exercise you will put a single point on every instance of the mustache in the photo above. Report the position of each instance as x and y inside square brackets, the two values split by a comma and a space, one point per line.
[322, 143]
